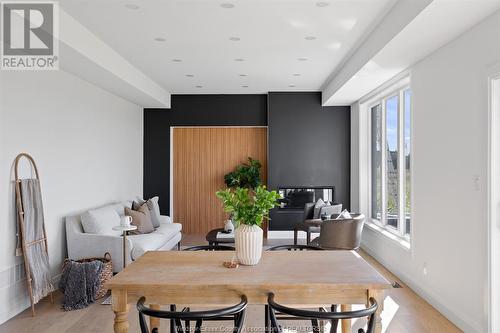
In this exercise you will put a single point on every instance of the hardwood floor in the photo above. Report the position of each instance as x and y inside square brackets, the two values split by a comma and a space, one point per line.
[404, 311]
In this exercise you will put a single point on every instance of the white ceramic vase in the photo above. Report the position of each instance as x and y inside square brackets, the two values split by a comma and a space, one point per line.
[248, 240]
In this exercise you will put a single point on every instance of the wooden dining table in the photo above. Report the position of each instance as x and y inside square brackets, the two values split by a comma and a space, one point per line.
[302, 278]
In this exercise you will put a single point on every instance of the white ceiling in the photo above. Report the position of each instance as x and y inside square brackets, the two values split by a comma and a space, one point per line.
[438, 24]
[272, 39]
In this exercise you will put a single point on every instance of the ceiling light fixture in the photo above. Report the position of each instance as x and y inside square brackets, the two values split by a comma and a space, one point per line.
[160, 39]
[243, 75]
[309, 38]
[291, 85]
[302, 59]
[244, 86]
[322, 4]
[296, 74]
[227, 5]
[132, 6]
[189, 75]
[199, 86]
[239, 59]
[234, 39]
[177, 60]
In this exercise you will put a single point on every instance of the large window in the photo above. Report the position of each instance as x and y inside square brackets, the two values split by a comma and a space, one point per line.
[390, 159]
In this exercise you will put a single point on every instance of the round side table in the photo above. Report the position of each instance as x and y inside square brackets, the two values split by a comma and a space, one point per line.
[125, 230]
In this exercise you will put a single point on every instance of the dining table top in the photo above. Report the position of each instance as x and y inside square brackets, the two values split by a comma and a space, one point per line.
[337, 269]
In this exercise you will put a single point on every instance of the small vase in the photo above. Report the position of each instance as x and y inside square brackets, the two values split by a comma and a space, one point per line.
[248, 240]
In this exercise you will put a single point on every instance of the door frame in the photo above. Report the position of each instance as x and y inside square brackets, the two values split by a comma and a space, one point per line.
[493, 195]
[171, 190]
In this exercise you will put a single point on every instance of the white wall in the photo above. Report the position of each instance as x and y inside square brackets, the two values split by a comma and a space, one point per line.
[88, 147]
[450, 126]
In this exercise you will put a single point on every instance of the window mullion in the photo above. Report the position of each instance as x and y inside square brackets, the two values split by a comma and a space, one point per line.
[383, 163]
[401, 164]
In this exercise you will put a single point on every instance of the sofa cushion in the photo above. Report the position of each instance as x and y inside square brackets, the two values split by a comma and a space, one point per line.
[101, 221]
[147, 242]
[169, 229]
[154, 209]
[141, 219]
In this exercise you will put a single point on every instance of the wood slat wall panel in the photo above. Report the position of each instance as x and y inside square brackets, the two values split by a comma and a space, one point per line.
[201, 158]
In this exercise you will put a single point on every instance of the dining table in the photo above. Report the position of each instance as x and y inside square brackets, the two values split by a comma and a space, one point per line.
[298, 278]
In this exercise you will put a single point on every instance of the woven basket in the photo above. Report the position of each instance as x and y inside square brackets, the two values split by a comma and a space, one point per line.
[104, 276]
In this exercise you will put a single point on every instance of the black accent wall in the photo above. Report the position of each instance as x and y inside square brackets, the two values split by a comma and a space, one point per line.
[191, 110]
[309, 145]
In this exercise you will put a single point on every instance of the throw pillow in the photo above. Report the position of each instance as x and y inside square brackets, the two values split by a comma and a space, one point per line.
[344, 215]
[154, 210]
[101, 221]
[141, 219]
[317, 208]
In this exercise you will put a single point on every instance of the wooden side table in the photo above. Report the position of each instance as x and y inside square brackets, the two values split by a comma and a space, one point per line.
[214, 241]
[125, 230]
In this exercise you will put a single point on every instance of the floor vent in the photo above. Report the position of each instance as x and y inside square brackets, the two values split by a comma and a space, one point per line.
[396, 285]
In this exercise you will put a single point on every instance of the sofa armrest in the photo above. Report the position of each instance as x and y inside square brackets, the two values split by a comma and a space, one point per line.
[83, 245]
[165, 219]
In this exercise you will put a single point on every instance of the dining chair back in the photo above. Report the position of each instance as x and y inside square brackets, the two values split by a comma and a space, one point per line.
[316, 316]
[210, 248]
[235, 313]
[293, 247]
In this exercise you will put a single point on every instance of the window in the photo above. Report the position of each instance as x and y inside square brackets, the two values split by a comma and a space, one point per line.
[390, 161]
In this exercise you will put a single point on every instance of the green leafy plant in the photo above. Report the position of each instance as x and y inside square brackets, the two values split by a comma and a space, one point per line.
[246, 175]
[247, 206]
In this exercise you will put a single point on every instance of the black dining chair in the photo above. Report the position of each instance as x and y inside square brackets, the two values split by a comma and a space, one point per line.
[316, 316]
[210, 248]
[234, 313]
[290, 247]
[295, 247]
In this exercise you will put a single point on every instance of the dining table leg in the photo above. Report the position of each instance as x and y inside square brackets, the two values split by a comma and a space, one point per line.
[120, 308]
[378, 295]
[153, 321]
[346, 323]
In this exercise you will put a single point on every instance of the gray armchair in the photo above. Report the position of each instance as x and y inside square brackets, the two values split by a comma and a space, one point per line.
[312, 223]
[342, 234]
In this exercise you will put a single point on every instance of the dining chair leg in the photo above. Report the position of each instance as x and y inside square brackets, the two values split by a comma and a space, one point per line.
[308, 237]
[295, 234]
[172, 324]
[266, 319]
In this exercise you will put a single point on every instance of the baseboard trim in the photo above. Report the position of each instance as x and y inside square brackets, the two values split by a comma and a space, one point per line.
[461, 320]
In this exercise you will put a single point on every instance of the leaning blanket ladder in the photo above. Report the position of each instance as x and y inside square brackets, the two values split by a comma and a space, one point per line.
[27, 244]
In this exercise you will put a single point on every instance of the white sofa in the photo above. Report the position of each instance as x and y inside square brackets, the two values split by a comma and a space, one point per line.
[84, 245]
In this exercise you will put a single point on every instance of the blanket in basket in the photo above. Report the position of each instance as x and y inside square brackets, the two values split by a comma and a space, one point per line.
[80, 283]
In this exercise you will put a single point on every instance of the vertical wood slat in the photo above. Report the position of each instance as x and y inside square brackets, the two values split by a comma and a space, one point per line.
[202, 156]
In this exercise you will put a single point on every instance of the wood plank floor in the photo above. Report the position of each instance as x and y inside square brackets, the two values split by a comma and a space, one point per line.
[404, 311]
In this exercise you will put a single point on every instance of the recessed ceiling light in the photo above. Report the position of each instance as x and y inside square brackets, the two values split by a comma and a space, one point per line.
[234, 39]
[244, 86]
[296, 74]
[302, 59]
[189, 75]
[239, 59]
[322, 4]
[199, 86]
[227, 5]
[177, 60]
[132, 6]
[334, 46]
[243, 75]
[309, 38]
[291, 85]
[160, 39]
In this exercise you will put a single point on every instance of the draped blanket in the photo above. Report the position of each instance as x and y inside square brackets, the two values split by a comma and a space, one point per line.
[80, 283]
[36, 255]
